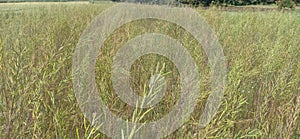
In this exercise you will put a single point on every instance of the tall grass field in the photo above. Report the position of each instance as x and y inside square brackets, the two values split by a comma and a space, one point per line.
[37, 99]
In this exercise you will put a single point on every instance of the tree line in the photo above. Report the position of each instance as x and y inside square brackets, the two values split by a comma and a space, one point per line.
[196, 3]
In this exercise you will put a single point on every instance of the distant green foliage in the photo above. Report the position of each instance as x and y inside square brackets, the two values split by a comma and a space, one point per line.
[226, 2]
[286, 4]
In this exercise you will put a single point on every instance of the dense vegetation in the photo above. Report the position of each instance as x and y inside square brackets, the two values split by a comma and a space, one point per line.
[286, 3]
[231, 2]
[37, 99]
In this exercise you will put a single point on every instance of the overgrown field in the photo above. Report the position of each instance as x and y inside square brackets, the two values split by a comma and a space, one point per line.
[37, 42]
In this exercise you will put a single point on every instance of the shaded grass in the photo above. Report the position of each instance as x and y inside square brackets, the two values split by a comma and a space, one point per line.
[262, 97]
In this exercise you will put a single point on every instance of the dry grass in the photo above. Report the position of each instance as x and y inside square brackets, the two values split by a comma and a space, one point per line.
[42, 3]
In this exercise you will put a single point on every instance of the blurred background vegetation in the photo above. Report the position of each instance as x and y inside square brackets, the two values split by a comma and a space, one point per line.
[196, 3]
